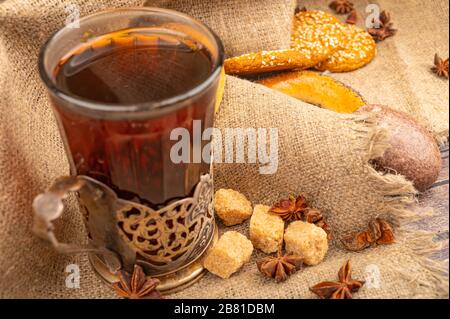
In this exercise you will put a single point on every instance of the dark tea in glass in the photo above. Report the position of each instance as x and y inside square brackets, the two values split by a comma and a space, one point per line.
[130, 67]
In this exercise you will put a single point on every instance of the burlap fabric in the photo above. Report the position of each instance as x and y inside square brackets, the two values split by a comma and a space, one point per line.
[321, 153]
[243, 26]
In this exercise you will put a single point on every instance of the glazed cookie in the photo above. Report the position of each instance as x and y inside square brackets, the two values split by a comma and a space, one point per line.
[359, 49]
[317, 89]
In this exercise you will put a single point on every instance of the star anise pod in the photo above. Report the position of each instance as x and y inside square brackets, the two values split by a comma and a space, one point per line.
[440, 66]
[300, 9]
[291, 208]
[341, 289]
[352, 17]
[279, 267]
[298, 209]
[385, 29]
[341, 6]
[137, 285]
[379, 232]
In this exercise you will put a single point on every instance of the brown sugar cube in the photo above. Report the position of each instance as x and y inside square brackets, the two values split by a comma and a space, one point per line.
[266, 229]
[231, 206]
[230, 252]
[307, 240]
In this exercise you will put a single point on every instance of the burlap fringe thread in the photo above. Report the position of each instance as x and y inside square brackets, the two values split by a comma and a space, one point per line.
[399, 197]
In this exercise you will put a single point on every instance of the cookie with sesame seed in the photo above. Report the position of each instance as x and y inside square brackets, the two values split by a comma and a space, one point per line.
[317, 35]
[359, 50]
[268, 61]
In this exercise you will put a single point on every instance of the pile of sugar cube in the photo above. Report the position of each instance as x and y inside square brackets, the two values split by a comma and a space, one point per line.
[267, 233]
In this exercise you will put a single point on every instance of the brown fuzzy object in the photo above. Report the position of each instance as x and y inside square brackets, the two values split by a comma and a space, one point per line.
[413, 152]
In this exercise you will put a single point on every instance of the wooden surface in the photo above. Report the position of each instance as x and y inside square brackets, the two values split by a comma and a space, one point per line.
[437, 198]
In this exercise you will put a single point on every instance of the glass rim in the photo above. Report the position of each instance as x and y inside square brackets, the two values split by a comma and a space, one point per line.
[150, 106]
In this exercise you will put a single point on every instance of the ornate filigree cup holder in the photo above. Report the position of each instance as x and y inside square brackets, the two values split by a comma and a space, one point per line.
[168, 243]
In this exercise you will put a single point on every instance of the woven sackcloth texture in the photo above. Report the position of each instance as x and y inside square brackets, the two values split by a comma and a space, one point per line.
[321, 153]
[243, 26]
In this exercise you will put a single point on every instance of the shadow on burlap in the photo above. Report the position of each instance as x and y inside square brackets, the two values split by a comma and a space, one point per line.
[321, 153]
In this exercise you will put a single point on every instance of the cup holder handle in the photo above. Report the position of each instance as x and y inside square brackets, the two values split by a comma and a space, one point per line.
[49, 206]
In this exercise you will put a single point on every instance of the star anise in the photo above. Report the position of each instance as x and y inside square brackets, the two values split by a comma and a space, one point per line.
[341, 6]
[300, 9]
[352, 17]
[298, 209]
[279, 267]
[291, 208]
[341, 289]
[379, 232]
[440, 66]
[137, 285]
[385, 29]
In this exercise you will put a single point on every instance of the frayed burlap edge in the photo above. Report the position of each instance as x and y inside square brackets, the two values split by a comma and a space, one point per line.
[421, 244]
[399, 198]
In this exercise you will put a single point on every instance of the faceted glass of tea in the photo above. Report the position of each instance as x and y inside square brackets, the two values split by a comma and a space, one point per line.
[119, 84]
